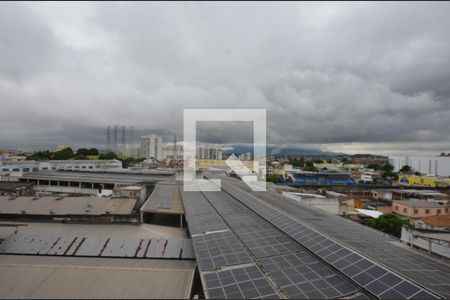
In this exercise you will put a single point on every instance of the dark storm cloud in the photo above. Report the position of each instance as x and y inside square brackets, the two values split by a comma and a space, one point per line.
[328, 74]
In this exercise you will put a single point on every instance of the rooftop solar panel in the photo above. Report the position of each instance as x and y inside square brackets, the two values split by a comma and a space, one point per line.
[312, 240]
[240, 283]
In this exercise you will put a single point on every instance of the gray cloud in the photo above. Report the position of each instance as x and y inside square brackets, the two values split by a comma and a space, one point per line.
[328, 74]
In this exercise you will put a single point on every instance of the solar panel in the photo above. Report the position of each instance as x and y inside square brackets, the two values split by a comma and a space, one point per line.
[240, 283]
[313, 240]
[261, 237]
[219, 249]
[300, 275]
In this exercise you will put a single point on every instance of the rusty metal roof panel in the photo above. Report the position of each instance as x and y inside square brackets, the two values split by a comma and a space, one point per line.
[98, 246]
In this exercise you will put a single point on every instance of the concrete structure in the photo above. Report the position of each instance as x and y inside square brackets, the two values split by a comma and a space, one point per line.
[89, 209]
[133, 150]
[206, 151]
[151, 147]
[16, 189]
[334, 205]
[418, 208]
[168, 151]
[95, 278]
[435, 165]
[436, 243]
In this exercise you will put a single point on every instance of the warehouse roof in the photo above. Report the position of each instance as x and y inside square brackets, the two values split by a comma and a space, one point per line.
[101, 176]
[66, 205]
[165, 198]
[96, 229]
[86, 277]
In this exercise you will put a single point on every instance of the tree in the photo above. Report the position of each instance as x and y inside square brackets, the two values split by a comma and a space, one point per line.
[87, 152]
[108, 155]
[309, 166]
[66, 153]
[40, 155]
[387, 171]
[405, 169]
[389, 223]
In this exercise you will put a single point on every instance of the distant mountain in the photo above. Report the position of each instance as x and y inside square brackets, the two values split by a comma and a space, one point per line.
[282, 151]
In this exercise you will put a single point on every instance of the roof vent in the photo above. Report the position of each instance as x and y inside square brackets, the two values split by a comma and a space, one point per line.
[89, 205]
[36, 198]
[23, 211]
[12, 198]
[59, 198]
[108, 212]
[52, 211]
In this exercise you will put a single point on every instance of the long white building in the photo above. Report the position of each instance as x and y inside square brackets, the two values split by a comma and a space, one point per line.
[434, 165]
[17, 168]
[151, 147]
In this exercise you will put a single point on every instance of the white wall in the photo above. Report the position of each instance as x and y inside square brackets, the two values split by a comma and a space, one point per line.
[436, 165]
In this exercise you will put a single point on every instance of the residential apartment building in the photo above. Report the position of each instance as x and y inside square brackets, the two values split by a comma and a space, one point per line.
[419, 208]
[151, 147]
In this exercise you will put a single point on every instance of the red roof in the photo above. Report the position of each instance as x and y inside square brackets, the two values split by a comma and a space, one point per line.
[437, 221]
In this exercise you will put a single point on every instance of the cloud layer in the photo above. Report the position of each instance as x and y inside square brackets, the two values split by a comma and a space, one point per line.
[334, 75]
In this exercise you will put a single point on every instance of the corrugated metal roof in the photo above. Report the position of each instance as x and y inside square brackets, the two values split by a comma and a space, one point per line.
[165, 198]
[90, 229]
[86, 278]
[66, 205]
[97, 246]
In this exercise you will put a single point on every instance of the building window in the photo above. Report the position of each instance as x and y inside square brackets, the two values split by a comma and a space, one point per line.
[438, 211]
[405, 210]
[427, 211]
[416, 211]
[396, 207]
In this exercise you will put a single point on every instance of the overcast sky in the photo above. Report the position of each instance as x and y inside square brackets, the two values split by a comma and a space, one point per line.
[359, 77]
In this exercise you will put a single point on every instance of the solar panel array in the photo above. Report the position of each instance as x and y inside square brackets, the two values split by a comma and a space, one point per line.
[360, 269]
[226, 268]
[219, 249]
[240, 283]
[301, 276]
[162, 196]
[290, 267]
[200, 215]
[374, 244]
[262, 238]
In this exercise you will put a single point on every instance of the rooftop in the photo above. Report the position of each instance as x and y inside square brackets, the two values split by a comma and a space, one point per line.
[165, 198]
[101, 176]
[437, 221]
[86, 278]
[419, 203]
[66, 205]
